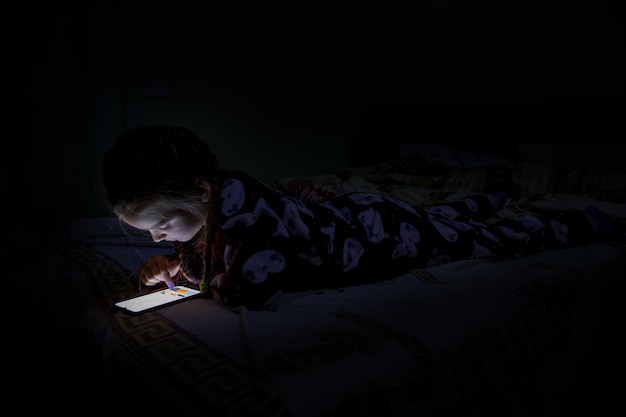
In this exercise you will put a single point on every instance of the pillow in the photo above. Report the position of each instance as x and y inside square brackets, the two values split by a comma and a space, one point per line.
[602, 158]
[450, 156]
[530, 178]
[311, 188]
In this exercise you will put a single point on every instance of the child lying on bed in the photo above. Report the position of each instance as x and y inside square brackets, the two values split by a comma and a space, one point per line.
[247, 242]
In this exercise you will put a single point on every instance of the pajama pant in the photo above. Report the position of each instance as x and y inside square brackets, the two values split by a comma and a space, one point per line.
[378, 237]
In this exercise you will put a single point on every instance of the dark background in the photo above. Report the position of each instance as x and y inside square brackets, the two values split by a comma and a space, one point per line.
[277, 87]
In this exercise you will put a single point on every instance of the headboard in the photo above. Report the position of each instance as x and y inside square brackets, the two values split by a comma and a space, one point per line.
[495, 127]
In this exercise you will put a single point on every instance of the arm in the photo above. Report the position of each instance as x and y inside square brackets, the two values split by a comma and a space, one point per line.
[256, 242]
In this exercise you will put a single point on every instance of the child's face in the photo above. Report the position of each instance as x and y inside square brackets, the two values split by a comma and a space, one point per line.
[181, 226]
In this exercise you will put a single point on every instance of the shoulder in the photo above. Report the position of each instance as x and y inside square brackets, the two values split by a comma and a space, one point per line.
[234, 178]
[241, 192]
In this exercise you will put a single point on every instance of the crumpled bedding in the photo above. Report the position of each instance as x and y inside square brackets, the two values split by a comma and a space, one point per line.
[444, 339]
[476, 337]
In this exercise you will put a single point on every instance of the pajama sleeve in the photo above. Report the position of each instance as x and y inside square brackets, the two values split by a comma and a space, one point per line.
[258, 230]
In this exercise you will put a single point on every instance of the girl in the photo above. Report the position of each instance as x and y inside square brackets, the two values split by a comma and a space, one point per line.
[247, 242]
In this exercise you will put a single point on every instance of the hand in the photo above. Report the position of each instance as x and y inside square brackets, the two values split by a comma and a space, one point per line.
[159, 269]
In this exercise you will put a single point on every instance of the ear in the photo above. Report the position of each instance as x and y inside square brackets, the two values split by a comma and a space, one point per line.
[205, 188]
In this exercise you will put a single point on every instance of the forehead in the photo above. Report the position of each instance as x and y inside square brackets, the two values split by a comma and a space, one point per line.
[144, 219]
[148, 214]
[142, 223]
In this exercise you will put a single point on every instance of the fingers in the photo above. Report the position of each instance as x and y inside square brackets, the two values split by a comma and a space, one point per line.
[159, 269]
[173, 266]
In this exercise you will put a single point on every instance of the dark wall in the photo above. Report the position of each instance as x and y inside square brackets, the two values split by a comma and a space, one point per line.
[275, 87]
[481, 50]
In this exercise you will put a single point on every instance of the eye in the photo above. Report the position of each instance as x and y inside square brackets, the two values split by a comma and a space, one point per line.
[164, 225]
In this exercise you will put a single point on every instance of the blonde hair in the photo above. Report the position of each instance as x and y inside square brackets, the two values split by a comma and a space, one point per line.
[157, 168]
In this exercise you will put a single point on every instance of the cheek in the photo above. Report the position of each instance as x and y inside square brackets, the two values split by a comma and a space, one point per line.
[192, 223]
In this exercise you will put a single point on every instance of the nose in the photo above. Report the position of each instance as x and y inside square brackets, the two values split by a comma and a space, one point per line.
[157, 235]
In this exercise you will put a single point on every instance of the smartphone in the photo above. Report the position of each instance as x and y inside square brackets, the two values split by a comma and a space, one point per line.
[157, 299]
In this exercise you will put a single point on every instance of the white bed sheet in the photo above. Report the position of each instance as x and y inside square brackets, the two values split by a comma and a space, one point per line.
[428, 340]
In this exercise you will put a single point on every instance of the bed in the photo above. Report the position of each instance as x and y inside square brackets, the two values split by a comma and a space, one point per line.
[470, 338]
